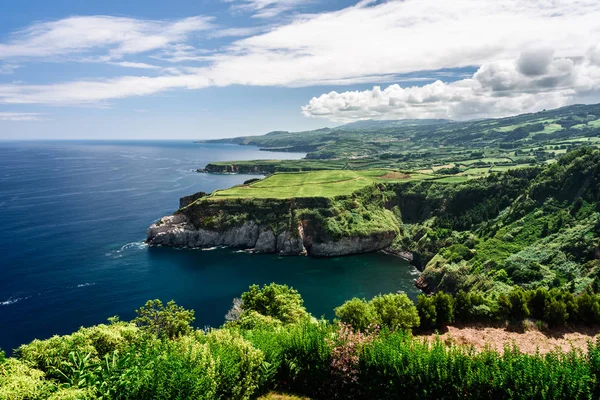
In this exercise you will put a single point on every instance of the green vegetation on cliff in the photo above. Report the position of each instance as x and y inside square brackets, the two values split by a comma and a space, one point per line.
[536, 227]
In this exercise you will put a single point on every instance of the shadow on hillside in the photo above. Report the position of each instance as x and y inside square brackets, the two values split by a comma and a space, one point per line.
[532, 325]
[560, 332]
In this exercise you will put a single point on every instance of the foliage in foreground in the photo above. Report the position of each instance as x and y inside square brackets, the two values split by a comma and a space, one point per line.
[143, 359]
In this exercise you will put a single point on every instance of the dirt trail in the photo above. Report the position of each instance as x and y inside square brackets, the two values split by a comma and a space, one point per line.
[528, 341]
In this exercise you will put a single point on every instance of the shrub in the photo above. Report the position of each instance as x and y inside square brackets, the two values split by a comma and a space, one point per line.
[347, 346]
[254, 320]
[427, 312]
[462, 306]
[357, 313]
[239, 364]
[588, 309]
[165, 369]
[395, 311]
[537, 303]
[19, 381]
[556, 313]
[97, 341]
[443, 309]
[277, 301]
[518, 309]
[170, 321]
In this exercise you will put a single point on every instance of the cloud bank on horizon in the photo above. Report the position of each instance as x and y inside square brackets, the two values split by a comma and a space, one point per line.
[528, 56]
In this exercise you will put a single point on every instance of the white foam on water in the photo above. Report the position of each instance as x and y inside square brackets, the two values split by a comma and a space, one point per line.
[13, 300]
[127, 247]
[86, 284]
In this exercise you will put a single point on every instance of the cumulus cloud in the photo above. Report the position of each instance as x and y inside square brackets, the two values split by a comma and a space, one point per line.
[19, 116]
[536, 62]
[81, 34]
[496, 89]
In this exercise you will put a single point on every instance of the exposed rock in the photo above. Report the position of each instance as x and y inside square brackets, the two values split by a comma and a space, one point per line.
[177, 231]
[290, 245]
[187, 200]
[421, 283]
[266, 243]
[351, 245]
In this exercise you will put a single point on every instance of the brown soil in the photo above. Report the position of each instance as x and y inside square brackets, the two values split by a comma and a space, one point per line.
[281, 396]
[394, 175]
[529, 339]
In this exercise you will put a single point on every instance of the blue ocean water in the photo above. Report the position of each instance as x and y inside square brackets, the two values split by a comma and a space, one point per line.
[74, 216]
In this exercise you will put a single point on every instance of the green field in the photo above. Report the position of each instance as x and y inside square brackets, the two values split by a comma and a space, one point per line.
[314, 184]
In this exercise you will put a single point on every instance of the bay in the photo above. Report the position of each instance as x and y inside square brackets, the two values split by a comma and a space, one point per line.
[74, 216]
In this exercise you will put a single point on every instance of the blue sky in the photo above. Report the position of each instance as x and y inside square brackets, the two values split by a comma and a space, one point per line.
[75, 69]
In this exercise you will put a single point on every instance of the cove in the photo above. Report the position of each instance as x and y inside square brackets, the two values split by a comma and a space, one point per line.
[74, 218]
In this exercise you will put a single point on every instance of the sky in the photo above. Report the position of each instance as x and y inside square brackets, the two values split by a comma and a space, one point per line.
[198, 69]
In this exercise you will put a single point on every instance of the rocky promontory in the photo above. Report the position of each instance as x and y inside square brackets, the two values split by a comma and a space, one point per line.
[316, 226]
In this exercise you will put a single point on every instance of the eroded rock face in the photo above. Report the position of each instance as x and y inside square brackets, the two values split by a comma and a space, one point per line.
[177, 231]
[351, 245]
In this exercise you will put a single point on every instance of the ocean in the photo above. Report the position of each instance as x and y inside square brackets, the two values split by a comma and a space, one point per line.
[74, 216]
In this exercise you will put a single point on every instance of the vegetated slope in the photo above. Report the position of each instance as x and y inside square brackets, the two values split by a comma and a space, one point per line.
[537, 227]
[533, 226]
[482, 144]
[271, 342]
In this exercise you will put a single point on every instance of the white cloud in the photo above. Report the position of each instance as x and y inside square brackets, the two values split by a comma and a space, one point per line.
[127, 64]
[367, 43]
[17, 116]
[7, 69]
[97, 92]
[397, 37]
[266, 8]
[80, 35]
[238, 32]
[496, 89]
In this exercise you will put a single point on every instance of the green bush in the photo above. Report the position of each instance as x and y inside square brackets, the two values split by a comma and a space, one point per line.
[356, 312]
[164, 321]
[20, 381]
[588, 309]
[537, 302]
[462, 306]
[518, 309]
[277, 301]
[238, 365]
[395, 311]
[97, 341]
[556, 313]
[427, 311]
[443, 309]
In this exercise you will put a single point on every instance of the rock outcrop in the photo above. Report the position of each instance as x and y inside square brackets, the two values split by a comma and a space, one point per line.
[177, 231]
[316, 226]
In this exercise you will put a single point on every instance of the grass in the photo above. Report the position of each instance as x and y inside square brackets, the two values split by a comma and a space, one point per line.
[314, 184]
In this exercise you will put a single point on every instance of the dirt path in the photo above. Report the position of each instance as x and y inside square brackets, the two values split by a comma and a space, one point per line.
[529, 341]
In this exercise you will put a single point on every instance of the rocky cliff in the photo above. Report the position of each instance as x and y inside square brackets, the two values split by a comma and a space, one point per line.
[313, 226]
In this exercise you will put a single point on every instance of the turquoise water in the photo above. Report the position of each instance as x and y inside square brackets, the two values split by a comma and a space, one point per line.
[74, 216]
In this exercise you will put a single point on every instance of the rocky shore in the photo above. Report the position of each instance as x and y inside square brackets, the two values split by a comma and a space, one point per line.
[178, 231]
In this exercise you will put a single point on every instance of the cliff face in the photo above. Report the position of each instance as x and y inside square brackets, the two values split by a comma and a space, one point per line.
[178, 231]
[285, 226]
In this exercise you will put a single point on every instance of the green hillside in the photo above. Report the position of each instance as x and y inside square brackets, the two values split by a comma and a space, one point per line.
[490, 143]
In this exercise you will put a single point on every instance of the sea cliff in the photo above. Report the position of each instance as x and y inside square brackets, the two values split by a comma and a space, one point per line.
[316, 226]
